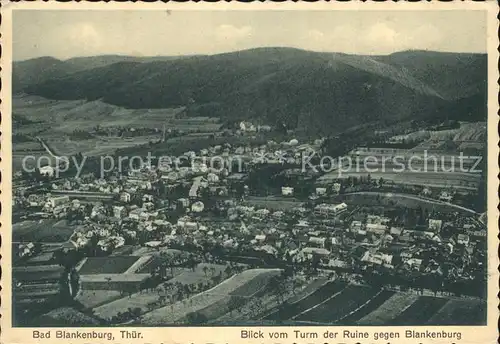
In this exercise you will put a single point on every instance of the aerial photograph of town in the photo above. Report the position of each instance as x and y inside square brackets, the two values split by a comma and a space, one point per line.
[315, 173]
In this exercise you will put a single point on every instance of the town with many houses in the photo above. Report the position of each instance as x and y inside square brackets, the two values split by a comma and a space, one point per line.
[254, 238]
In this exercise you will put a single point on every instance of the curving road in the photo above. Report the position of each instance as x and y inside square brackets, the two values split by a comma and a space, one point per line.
[47, 148]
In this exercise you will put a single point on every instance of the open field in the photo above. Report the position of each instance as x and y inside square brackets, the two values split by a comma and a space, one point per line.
[320, 295]
[235, 299]
[467, 131]
[113, 306]
[42, 231]
[194, 124]
[55, 121]
[421, 310]
[338, 305]
[459, 312]
[409, 309]
[471, 133]
[68, 115]
[389, 309]
[65, 116]
[342, 304]
[94, 298]
[28, 146]
[179, 310]
[107, 265]
[96, 146]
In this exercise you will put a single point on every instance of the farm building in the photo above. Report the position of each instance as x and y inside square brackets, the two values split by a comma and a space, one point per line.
[47, 171]
[125, 197]
[137, 213]
[183, 202]
[119, 212]
[186, 223]
[377, 219]
[376, 228]
[57, 201]
[377, 258]
[318, 242]
[356, 225]
[320, 191]
[396, 231]
[308, 252]
[193, 191]
[336, 187]
[435, 225]
[463, 239]
[260, 238]
[445, 196]
[197, 207]
[337, 264]
[330, 209]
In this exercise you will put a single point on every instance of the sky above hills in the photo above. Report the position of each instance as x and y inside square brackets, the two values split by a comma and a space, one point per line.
[64, 34]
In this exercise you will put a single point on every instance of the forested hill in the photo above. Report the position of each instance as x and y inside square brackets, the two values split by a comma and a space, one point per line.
[321, 92]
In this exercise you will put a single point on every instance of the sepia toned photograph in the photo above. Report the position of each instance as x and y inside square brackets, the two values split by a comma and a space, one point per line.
[250, 168]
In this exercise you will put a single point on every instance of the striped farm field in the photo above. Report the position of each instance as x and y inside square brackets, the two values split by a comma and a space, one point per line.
[365, 309]
[389, 309]
[338, 305]
[420, 311]
[460, 312]
[311, 287]
[411, 309]
[236, 298]
[263, 303]
[177, 312]
[319, 296]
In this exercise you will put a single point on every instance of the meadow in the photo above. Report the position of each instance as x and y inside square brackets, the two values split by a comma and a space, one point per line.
[107, 265]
